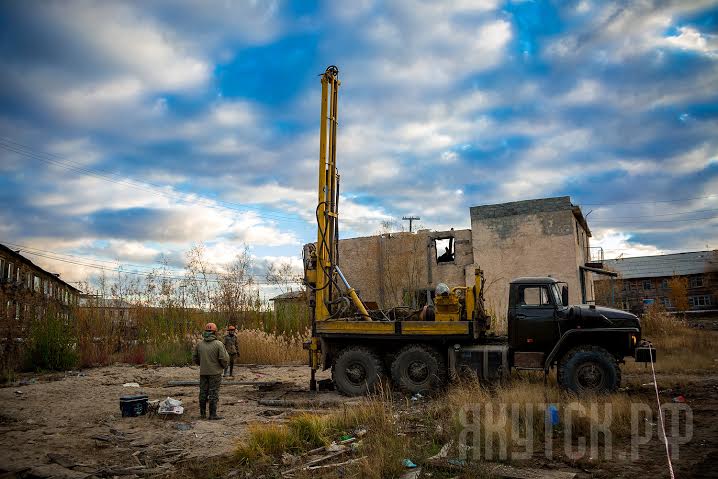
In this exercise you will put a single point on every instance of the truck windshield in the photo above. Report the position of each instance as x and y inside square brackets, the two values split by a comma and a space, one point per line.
[558, 301]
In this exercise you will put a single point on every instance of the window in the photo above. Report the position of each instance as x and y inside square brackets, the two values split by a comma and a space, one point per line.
[444, 250]
[666, 302]
[18, 276]
[699, 301]
[2, 268]
[534, 296]
[10, 271]
[647, 284]
[695, 281]
[36, 284]
[664, 283]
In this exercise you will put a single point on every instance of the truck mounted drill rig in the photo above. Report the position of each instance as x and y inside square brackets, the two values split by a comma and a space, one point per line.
[420, 349]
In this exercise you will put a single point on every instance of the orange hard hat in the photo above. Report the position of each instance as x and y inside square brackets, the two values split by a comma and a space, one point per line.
[211, 327]
[231, 328]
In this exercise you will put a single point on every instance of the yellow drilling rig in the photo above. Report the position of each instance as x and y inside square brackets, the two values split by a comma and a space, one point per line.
[347, 337]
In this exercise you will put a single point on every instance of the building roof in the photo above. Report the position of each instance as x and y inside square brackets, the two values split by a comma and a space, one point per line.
[529, 207]
[289, 295]
[678, 264]
[28, 262]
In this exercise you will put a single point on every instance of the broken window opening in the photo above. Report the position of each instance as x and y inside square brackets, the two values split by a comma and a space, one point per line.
[444, 250]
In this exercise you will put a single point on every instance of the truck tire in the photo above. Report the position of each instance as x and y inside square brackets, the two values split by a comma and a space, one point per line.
[418, 368]
[357, 370]
[589, 370]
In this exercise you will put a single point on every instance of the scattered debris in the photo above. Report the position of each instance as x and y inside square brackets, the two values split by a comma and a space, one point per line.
[259, 384]
[510, 472]
[413, 474]
[443, 452]
[183, 426]
[338, 464]
[680, 398]
[63, 460]
[552, 414]
[18, 392]
[171, 406]
[325, 385]
[298, 403]
[130, 385]
[417, 397]
[408, 463]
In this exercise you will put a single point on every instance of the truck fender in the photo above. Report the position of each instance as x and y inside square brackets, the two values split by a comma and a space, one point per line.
[571, 334]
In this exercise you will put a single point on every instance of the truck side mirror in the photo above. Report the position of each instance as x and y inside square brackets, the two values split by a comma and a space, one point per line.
[564, 295]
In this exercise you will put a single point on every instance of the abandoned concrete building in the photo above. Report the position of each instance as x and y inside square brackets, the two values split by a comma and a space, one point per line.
[542, 237]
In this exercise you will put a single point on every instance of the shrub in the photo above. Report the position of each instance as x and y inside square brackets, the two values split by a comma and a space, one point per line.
[657, 322]
[52, 342]
[265, 441]
[173, 353]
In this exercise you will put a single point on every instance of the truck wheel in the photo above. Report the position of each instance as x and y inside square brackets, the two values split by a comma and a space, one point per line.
[589, 370]
[418, 368]
[356, 371]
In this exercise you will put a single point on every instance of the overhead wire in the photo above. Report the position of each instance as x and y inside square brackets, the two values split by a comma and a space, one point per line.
[160, 190]
[154, 274]
[673, 200]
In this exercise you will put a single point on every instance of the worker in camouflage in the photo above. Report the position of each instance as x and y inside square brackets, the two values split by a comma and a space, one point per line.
[212, 358]
[232, 347]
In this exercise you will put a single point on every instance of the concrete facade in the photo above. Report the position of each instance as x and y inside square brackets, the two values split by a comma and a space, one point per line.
[544, 237]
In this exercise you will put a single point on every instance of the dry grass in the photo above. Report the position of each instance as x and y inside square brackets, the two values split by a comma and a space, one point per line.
[681, 349]
[258, 347]
[383, 442]
[527, 401]
[399, 429]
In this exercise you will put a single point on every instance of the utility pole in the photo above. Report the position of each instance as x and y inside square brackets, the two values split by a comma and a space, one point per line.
[410, 219]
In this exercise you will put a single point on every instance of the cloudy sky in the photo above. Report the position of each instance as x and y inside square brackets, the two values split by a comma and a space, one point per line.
[131, 130]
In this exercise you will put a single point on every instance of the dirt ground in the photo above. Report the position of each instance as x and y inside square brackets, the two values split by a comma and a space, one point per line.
[72, 418]
[66, 413]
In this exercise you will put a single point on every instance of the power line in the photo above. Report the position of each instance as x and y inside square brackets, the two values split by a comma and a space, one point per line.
[660, 215]
[675, 200]
[142, 273]
[28, 152]
[647, 219]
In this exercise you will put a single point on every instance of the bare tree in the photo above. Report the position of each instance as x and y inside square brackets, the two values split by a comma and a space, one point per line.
[283, 276]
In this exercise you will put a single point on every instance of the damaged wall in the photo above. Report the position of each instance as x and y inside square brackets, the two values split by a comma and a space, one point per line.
[383, 267]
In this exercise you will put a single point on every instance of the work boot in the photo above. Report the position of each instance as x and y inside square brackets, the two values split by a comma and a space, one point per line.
[213, 412]
[202, 410]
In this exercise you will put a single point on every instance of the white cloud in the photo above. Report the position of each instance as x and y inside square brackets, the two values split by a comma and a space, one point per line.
[689, 38]
[694, 160]
[618, 244]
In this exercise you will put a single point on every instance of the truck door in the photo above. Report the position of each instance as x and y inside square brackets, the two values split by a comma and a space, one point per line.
[532, 319]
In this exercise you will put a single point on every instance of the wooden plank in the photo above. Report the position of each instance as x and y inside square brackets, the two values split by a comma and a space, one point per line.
[510, 472]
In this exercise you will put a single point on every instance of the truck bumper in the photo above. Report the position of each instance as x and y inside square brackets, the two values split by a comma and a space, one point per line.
[645, 353]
